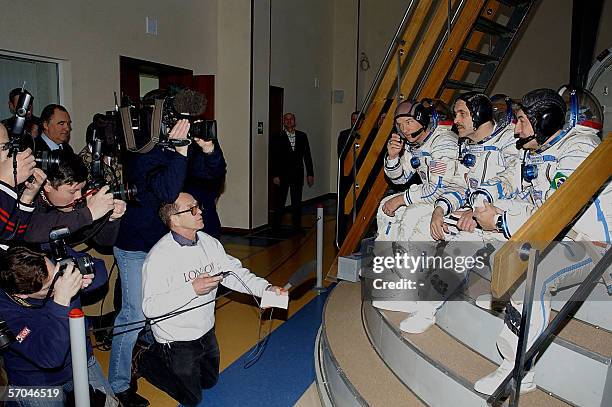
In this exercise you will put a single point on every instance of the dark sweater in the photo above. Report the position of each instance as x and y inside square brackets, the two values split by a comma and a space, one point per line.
[43, 357]
[12, 214]
[159, 176]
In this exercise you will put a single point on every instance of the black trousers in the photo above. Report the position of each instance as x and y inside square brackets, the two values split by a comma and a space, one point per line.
[295, 186]
[182, 369]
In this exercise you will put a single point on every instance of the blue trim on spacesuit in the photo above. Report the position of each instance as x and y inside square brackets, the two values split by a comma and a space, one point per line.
[552, 278]
[602, 218]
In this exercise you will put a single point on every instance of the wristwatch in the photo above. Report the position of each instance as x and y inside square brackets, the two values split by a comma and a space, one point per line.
[499, 223]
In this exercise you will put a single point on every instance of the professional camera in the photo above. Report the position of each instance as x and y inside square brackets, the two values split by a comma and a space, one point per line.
[48, 160]
[150, 124]
[125, 192]
[18, 140]
[188, 104]
[57, 241]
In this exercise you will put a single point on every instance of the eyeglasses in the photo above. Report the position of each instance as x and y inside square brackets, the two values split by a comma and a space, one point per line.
[193, 210]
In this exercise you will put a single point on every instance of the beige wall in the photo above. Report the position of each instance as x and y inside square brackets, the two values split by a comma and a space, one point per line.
[260, 108]
[343, 76]
[232, 94]
[541, 58]
[90, 36]
[301, 51]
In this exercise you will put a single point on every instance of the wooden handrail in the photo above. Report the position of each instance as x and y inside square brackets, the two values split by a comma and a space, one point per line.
[554, 216]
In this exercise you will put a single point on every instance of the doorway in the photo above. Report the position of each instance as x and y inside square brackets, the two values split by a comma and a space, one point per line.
[275, 112]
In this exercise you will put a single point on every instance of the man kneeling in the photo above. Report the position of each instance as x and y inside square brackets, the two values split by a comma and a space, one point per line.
[183, 271]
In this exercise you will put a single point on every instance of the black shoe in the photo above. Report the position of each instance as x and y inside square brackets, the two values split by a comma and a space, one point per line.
[129, 398]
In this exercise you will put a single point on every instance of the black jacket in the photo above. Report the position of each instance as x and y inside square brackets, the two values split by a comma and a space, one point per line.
[41, 145]
[287, 163]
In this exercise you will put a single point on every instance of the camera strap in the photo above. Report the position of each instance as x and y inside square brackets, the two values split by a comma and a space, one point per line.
[126, 121]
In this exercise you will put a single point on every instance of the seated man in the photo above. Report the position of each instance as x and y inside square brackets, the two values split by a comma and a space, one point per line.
[35, 303]
[183, 269]
[61, 203]
[553, 153]
[488, 164]
[18, 209]
[429, 151]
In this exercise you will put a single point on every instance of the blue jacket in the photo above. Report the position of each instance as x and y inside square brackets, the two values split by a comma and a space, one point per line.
[159, 176]
[42, 358]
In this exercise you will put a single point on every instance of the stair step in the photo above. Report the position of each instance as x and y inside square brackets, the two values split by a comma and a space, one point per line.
[453, 84]
[353, 353]
[465, 364]
[477, 57]
[491, 27]
[581, 347]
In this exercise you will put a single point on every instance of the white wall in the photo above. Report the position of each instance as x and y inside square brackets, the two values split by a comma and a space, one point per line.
[541, 58]
[232, 94]
[301, 51]
[90, 36]
[260, 108]
[344, 75]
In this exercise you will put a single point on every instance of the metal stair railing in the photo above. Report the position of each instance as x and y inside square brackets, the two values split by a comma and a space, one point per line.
[426, 59]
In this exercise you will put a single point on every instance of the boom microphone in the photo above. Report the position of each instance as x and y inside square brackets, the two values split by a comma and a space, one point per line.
[190, 102]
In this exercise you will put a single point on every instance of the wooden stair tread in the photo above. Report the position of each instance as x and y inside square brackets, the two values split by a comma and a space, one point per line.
[354, 353]
[461, 360]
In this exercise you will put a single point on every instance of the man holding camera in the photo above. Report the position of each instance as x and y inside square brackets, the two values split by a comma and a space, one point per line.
[57, 127]
[159, 176]
[61, 203]
[35, 298]
[15, 210]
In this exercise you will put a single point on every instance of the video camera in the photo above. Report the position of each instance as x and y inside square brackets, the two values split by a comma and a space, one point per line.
[161, 109]
[57, 242]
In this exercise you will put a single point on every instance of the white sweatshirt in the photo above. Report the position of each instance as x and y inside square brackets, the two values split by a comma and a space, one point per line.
[166, 284]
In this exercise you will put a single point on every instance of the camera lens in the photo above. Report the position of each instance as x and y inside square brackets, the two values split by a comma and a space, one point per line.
[48, 160]
[125, 192]
[85, 264]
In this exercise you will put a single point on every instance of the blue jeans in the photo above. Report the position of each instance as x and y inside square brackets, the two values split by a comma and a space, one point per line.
[97, 380]
[130, 272]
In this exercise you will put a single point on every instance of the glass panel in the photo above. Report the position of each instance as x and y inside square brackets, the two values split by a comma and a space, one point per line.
[41, 80]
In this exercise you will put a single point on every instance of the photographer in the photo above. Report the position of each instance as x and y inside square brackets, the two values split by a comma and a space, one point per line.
[13, 212]
[158, 176]
[61, 203]
[35, 302]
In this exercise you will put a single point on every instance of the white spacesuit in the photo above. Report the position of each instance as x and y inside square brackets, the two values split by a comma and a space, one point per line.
[545, 169]
[486, 171]
[433, 161]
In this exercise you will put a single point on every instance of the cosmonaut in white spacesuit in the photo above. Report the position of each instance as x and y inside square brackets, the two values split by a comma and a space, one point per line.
[485, 170]
[430, 149]
[553, 149]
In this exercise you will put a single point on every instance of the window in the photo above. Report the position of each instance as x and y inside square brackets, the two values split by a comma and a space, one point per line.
[41, 80]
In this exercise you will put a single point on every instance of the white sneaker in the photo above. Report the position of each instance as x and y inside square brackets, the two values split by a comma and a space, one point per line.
[485, 301]
[417, 324]
[490, 383]
[401, 306]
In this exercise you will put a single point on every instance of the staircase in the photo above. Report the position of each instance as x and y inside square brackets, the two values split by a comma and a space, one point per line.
[440, 49]
[364, 359]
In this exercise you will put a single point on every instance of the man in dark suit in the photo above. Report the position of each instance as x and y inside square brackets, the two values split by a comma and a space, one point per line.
[344, 134]
[56, 129]
[289, 153]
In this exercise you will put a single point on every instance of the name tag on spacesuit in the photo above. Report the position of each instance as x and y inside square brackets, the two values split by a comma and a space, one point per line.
[475, 149]
[535, 159]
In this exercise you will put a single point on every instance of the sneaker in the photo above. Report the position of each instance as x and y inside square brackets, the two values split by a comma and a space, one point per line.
[486, 301]
[490, 383]
[129, 398]
[401, 306]
[417, 324]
